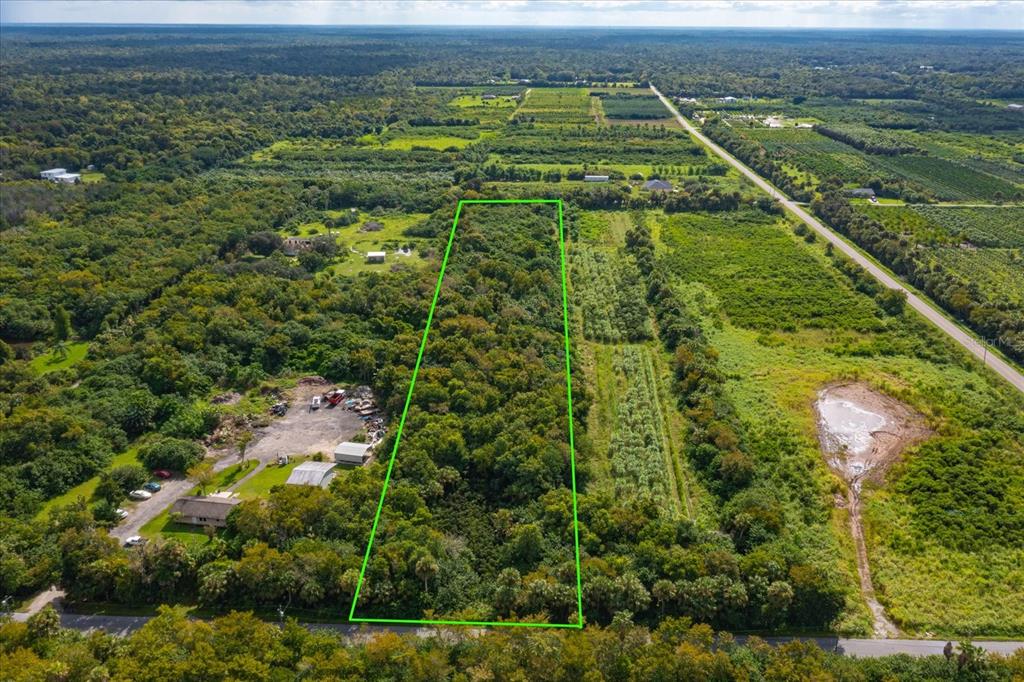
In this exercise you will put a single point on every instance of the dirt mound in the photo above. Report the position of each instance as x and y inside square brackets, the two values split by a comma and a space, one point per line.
[862, 432]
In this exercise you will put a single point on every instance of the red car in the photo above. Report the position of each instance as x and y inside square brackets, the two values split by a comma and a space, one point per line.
[162, 473]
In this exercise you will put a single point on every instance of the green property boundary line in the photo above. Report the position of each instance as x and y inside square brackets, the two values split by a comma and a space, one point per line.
[405, 411]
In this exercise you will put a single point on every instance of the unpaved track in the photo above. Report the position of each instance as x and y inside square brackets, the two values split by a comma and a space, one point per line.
[953, 330]
[880, 623]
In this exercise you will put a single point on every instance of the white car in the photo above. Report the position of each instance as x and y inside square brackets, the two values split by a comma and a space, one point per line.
[140, 495]
[122, 514]
[135, 541]
[315, 403]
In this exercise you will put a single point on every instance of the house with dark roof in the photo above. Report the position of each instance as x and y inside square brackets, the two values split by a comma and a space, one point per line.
[205, 510]
[861, 193]
[658, 186]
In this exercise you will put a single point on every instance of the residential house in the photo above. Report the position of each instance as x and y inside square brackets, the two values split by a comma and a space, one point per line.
[205, 510]
[291, 246]
[658, 186]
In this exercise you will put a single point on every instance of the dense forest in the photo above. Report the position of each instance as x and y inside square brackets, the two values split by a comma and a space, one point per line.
[216, 254]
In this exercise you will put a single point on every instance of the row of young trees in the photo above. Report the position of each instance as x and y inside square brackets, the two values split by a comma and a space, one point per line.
[1002, 320]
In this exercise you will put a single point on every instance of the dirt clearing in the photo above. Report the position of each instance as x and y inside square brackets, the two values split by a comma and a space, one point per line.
[862, 432]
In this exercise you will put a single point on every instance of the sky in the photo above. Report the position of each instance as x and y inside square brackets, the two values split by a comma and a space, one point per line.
[900, 14]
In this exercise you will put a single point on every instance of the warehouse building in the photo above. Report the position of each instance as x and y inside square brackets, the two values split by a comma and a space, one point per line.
[352, 453]
[312, 473]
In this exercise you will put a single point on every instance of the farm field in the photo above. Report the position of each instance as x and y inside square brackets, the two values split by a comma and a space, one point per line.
[947, 180]
[997, 273]
[556, 106]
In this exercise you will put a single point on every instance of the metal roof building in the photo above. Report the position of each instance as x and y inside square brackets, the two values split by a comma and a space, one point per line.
[312, 473]
[658, 186]
[352, 453]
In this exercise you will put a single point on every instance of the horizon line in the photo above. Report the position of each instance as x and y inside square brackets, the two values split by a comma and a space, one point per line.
[515, 26]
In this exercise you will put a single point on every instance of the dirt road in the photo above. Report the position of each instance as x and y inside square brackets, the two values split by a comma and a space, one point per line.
[953, 330]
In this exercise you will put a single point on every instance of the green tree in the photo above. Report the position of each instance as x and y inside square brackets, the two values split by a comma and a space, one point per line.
[61, 324]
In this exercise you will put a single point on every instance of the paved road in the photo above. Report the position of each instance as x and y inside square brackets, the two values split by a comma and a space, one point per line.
[1001, 367]
[861, 648]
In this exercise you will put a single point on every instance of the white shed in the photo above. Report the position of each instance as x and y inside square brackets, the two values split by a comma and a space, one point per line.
[52, 173]
[375, 256]
[312, 473]
[352, 453]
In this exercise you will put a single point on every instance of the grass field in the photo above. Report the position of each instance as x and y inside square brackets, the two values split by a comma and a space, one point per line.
[389, 239]
[477, 101]
[51, 361]
[163, 527]
[273, 475]
[431, 142]
[86, 489]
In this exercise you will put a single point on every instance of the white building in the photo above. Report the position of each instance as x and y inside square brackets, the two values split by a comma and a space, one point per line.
[375, 256]
[312, 473]
[595, 178]
[52, 173]
[352, 453]
[67, 178]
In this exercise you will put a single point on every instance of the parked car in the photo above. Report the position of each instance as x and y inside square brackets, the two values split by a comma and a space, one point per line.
[162, 473]
[140, 495]
[152, 487]
[135, 541]
[314, 404]
[122, 514]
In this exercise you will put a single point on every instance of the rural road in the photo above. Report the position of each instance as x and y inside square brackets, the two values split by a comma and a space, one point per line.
[861, 648]
[994, 362]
